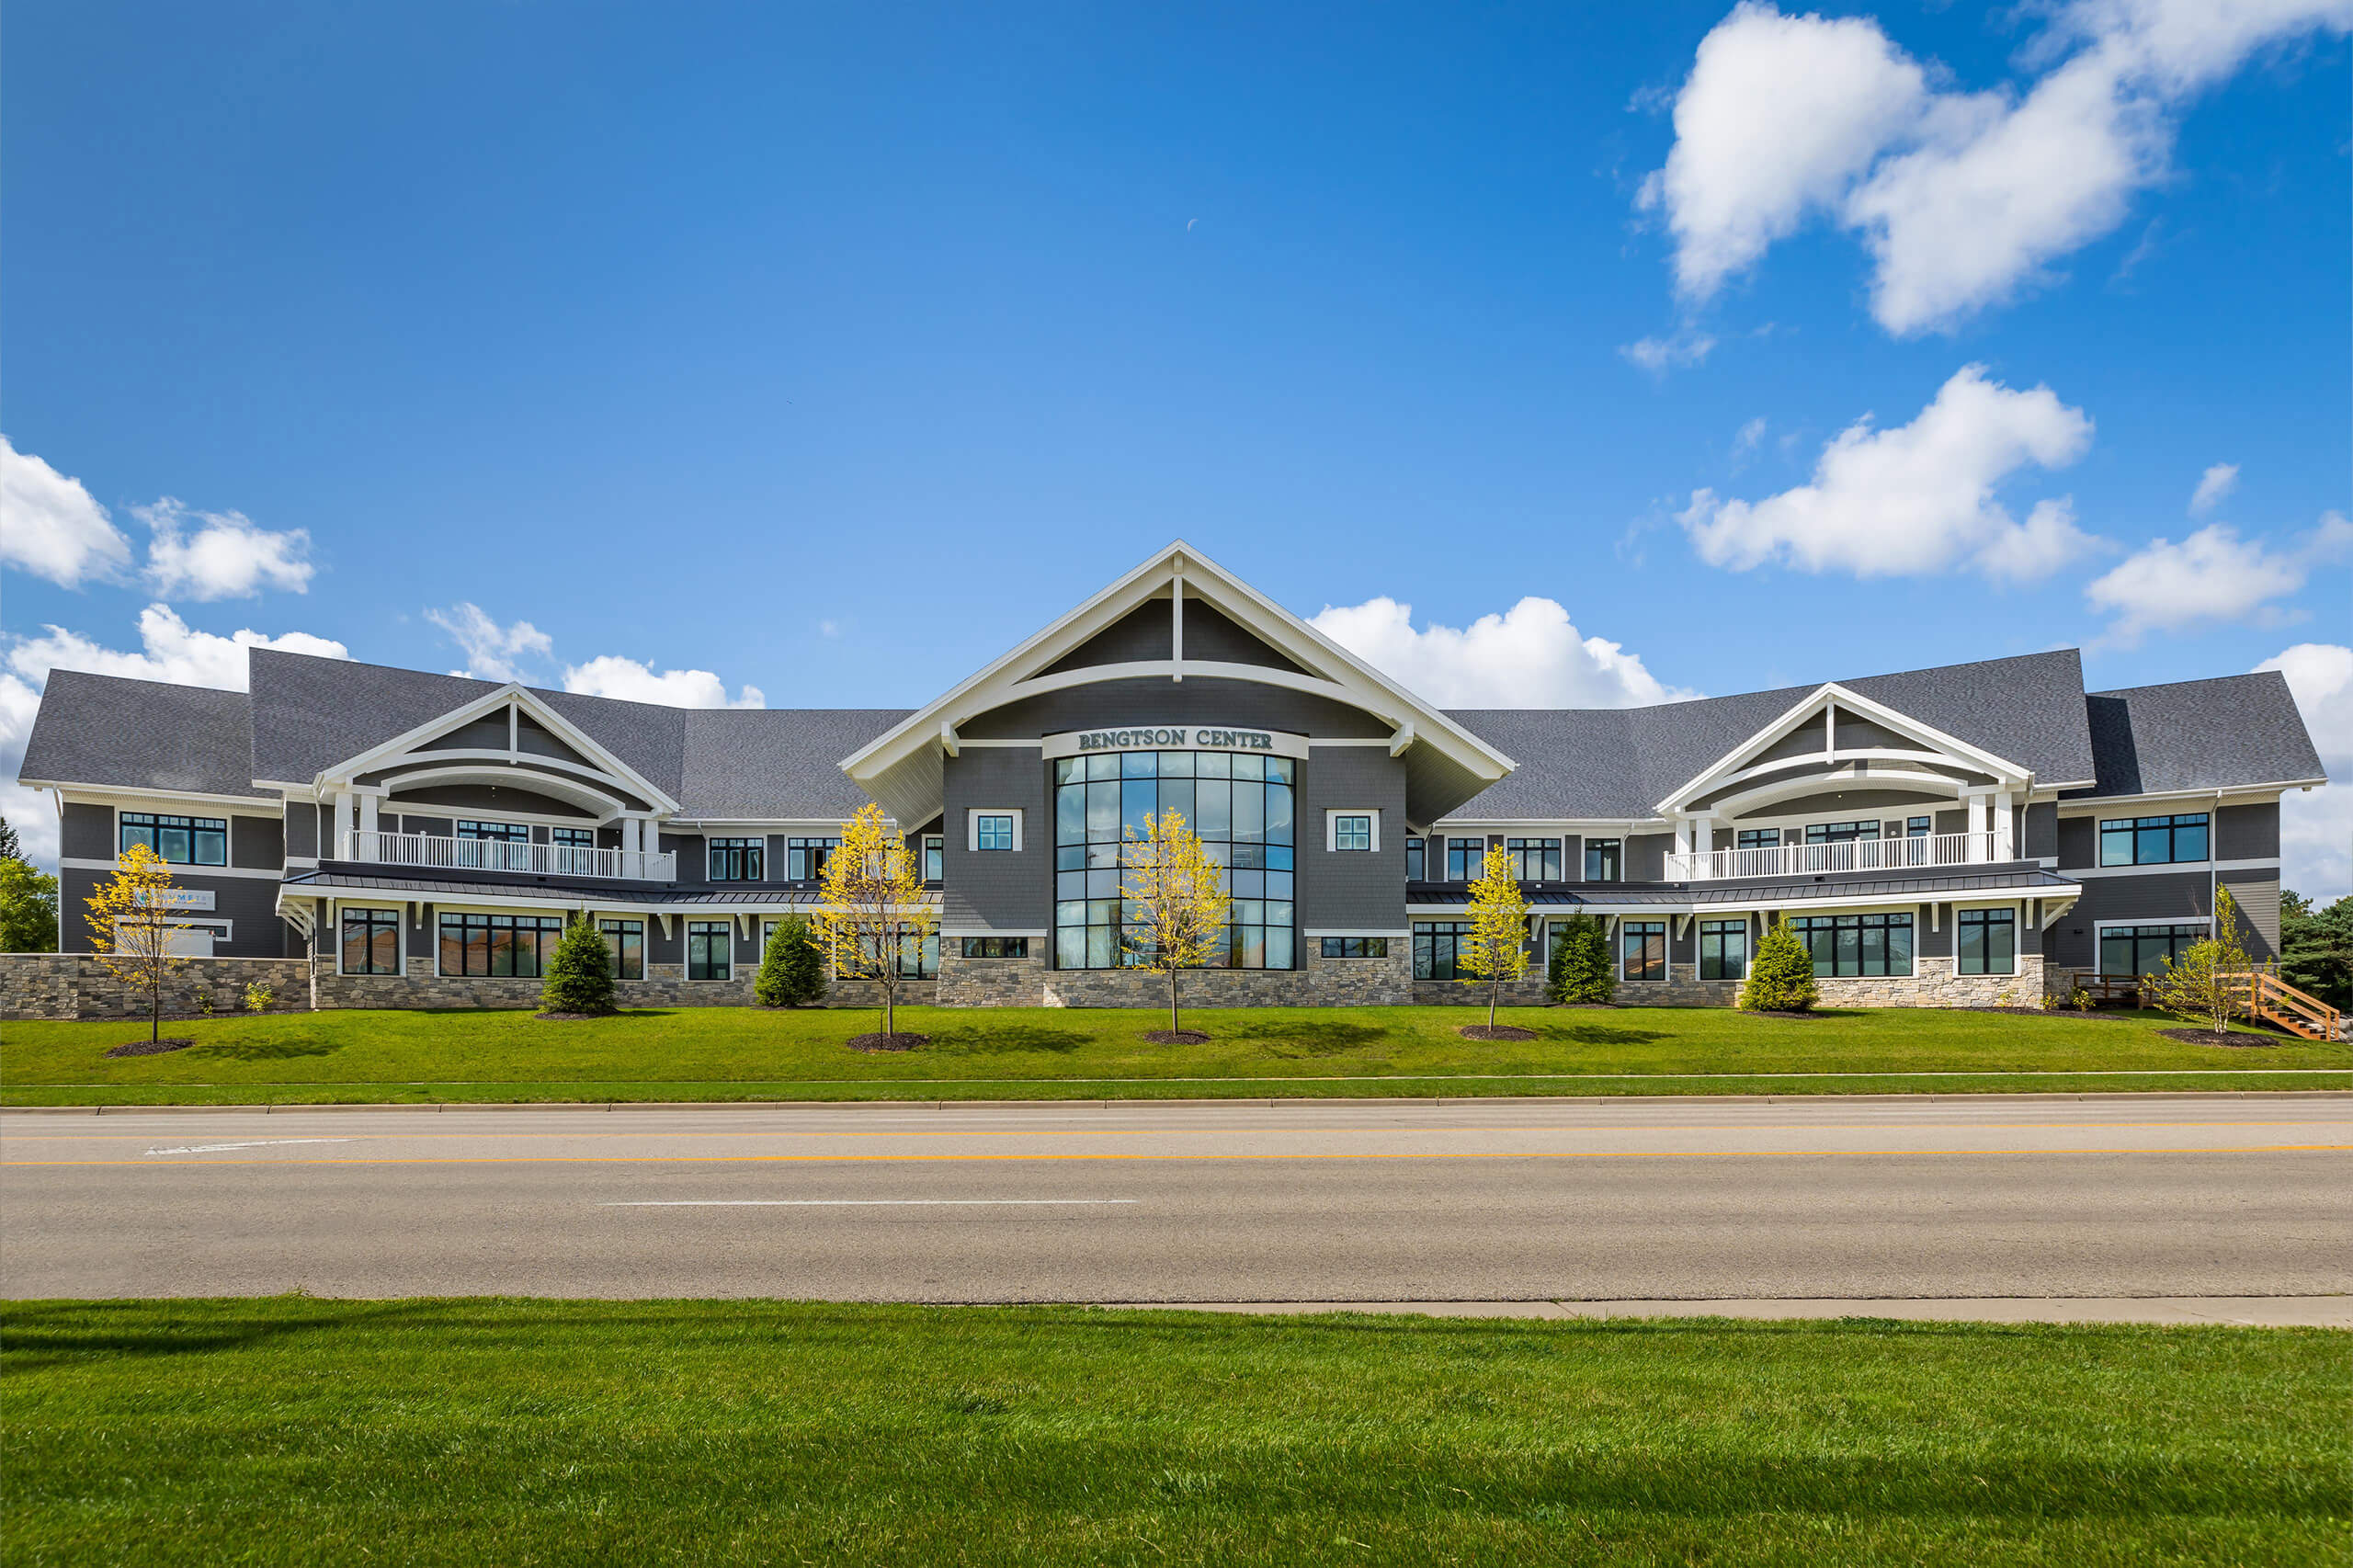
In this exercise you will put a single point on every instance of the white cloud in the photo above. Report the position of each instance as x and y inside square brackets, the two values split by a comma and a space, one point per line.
[1746, 440]
[170, 651]
[1961, 198]
[50, 526]
[491, 650]
[1918, 498]
[228, 557]
[2211, 575]
[1660, 354]
[2214, 487]
[609, 675]
[2316, 829]
[1530, 656]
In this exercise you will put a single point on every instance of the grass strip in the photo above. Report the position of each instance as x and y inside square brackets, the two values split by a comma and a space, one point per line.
[297, 1431]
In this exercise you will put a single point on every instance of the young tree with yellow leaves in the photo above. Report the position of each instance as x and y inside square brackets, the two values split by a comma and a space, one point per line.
[1495, 947]
[874, 908]
[1177, 908]
[132, 929]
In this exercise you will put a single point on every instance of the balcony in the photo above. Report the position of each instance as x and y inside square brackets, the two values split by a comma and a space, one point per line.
[1928, 852]
[428, 852]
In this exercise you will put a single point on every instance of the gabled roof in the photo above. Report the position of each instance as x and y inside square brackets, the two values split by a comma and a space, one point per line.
[749, 762]
[115, 733]
[1619, 763]
[2200, 734]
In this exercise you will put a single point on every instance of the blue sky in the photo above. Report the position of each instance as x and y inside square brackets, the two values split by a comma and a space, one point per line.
[830, 352]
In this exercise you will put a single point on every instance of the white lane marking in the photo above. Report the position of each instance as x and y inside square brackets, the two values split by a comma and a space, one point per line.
[858, 1202]
[257, 1144]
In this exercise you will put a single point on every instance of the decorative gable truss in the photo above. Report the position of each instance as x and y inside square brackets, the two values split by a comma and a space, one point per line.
[1836, 740]
[901, 769]
[509, 739]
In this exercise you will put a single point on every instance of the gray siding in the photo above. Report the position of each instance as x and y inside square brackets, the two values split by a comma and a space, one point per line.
[1646, 856]
[1192, 702]
[303, 830]
[2248, 833]
[249, 903]
[2157, 895]
[1932, 931]
[2258, 896]
[998, 890]
[1352, 890]
[1143, 633]
[257, 843]
[1844, 806]
[485, 733]
[2041, 833]
[532, 736]
[2078, 842]
[489, 798]
[86, 834]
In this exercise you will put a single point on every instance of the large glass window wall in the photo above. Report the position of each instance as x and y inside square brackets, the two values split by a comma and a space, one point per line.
[1242, 805]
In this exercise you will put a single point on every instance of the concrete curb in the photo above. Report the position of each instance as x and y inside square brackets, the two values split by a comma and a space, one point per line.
[2243, 1312]
[1144, 1103]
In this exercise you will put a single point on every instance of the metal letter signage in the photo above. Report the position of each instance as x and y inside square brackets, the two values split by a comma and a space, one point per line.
[1174, 737]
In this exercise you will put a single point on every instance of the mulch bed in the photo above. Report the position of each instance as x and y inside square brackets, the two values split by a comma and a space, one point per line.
[900, 1042]
[1177, 1037]
[572, 1017]
[1499, 1031]
[2234, 1040]
[151, 1047]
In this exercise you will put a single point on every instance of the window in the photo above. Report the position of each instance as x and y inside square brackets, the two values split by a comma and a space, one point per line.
[2152, 841]
[736, 859]
[992, 830]
[1759, 838]
[1840, 832]
[1602, 862]
[179, 841]
[1988, 941]
[918, 957]
[1438, 948]
[1919, 827]
[2142, 950]
[1856, 944]
[1466, 859]
[1644, 945]
[1242, 804]
[573, 837]
[711, 950]
[1412, 859]
[503, 832]
[804, 858]
[498, 944]
[1534, 859]
[934, 857]
[1356, 947]
[1352, 829]
[1724, 950]
[996, 947]
[372, 941]
[625, 940]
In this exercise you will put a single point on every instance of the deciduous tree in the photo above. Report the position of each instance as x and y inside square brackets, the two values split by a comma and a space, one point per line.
[1177, 906]
[874, 906]
[2211, 980]
[132, 928]
[28, 908]
[1495, 951]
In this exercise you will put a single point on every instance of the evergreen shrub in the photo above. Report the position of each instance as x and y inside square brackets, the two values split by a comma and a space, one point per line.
[580, 973]
[1781, 978]
[1580, 969]
[792, 966]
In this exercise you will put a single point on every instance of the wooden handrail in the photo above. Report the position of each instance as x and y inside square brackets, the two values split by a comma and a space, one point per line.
[2274, 1000]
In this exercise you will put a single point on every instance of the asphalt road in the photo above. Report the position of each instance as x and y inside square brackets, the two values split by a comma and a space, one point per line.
[1371, 1202]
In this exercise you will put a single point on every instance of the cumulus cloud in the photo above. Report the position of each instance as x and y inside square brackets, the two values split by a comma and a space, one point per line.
[51, 527]
[1918, 498]
[1660, 354]
[1530, 656]
[2211, 575]
[2214, 487]
[493, 651]
[170, 650]
[228, 556]
[1961, 198]
[2316, 829]
[609, 675]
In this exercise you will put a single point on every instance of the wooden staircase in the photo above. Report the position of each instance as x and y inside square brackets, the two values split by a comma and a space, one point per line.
[2275, 1000]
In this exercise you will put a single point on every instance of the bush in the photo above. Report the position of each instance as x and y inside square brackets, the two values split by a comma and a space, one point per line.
[580, 973]
[258, 997]
[792, 966]
[1580, 969]
[1781, 979]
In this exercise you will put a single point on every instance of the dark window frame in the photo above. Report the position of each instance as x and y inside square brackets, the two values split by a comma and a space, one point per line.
[1823, 937]
[1973, 944]
[2170, 936]
[1352, 833]
[1717, 940]
[622, 936]
[710, 947]
[1466, 857]
[1535, 859]
[804, 858]
[372, 926]
[492, 832]
[1605, 859]
[1438, 944]
[503, 940]
[1654, 959]
[2157, 840]
[165, 831]
[996, 947]
[739, 860]
[1354, 947]
[993, 832]
[1414, 852]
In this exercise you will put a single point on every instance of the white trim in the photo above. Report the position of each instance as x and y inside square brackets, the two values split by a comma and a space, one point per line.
[1821, 700]
[265, 806]
[2232, 795]
[2259, 864]
[607, 804]
[398, 909]
[522, 696]
[1003, 745]
[1319, 934]
[960, 932]
[1664, 921]
[82, 863]
[1332, 815]
[2161, 868]
[972, 816]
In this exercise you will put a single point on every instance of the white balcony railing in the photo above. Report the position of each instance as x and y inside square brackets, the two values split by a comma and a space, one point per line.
[1925, 852]
[430, 852]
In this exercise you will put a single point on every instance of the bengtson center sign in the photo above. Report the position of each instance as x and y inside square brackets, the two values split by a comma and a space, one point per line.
[1173, 737]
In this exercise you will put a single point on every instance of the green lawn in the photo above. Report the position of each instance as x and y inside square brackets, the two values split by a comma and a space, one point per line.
[292, 1430]
[703, 1054]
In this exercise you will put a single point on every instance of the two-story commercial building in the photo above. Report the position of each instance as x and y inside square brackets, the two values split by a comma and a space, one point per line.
[1938, 835]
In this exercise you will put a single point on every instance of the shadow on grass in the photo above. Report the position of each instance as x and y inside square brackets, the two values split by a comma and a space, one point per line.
[267, 1050]
[1007, 1038]
[1295, 1038]
[1599, 1034]
[50, 1335]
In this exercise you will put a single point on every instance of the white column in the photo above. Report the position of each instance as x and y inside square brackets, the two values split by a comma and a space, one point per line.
[2005, 827]
[1976, 816]
[337, 843]
[368, 817]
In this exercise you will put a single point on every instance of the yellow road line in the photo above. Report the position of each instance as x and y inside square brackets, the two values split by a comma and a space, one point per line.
[955, 1159]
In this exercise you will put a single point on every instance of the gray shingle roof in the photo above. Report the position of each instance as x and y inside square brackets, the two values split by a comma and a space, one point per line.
[142, 734]
[2199, 735]
[762, 763]
[1583, 762]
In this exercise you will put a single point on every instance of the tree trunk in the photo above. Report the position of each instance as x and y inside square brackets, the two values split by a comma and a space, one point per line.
[890, 1017]
[1172, 998]
[1495, 988]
